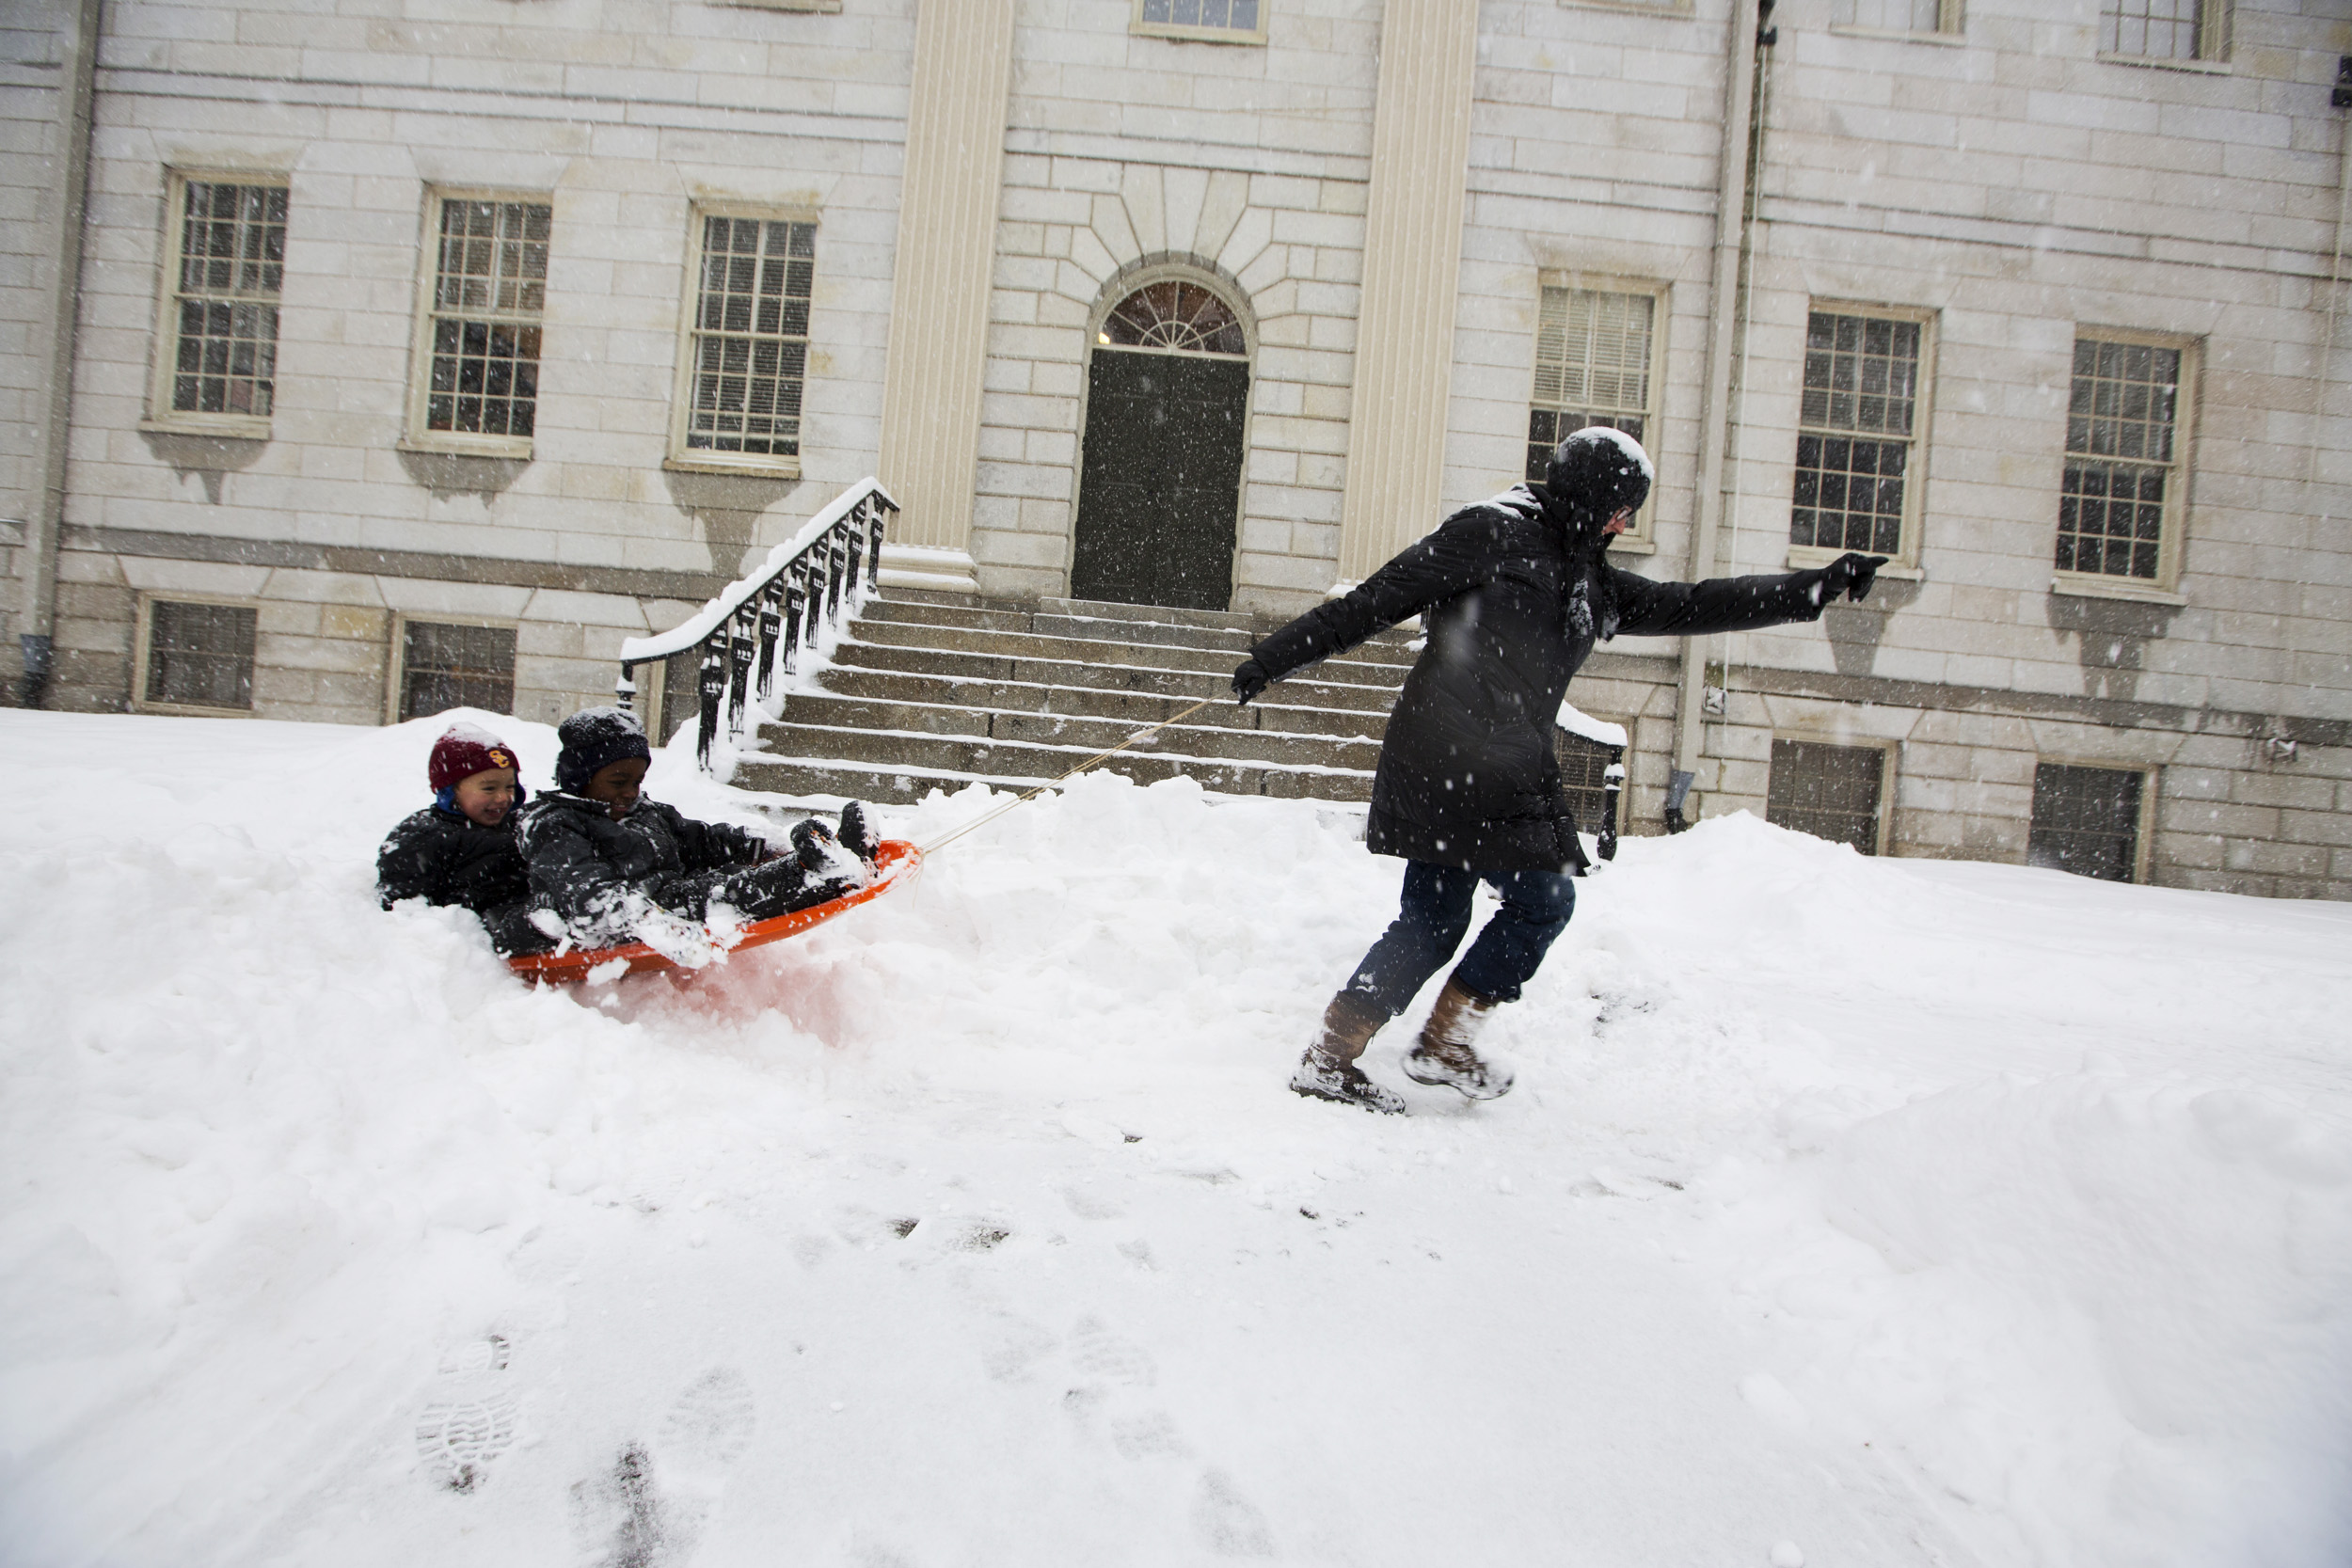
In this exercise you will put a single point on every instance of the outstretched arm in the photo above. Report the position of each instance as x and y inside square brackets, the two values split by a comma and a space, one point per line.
[1424, 573]
[1646, 608]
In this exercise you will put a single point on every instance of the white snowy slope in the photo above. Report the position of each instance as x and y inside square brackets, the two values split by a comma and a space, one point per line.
[1849, 1212]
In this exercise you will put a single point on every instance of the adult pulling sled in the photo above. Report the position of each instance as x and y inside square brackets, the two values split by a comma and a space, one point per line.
[895, 860]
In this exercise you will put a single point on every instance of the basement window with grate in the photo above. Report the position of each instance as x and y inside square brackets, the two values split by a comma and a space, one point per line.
[1583, 762]
[198, 655]
[1833, 792]
[2086, 821]
[445, 665]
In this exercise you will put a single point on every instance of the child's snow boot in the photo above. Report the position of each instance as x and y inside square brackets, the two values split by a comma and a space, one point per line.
[812, 843]
[1328, 1070]
[1446, 1052]
[856, 837]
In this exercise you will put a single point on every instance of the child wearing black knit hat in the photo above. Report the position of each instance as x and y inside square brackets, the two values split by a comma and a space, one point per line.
[602, 855]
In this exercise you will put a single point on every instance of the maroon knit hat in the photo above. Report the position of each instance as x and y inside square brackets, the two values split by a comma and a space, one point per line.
[465, 751]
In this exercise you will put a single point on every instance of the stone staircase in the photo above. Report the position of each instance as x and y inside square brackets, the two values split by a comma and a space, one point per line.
[929, 691]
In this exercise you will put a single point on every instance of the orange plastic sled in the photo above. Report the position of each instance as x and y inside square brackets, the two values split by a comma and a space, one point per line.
[894, 859]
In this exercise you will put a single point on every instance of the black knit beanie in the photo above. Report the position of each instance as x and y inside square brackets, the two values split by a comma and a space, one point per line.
[596, 738]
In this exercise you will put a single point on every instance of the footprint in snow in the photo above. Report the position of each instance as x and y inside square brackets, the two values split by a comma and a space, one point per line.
[1098, 1353]
[1111, 1402]
[468, 1417]
[648, 1510]
[1227, 1523]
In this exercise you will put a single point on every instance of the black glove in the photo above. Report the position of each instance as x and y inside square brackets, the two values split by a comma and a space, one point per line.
[1850, 577]
[1248, 681]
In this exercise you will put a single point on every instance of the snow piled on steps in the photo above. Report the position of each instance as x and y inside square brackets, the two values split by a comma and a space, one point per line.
[1849, 1212]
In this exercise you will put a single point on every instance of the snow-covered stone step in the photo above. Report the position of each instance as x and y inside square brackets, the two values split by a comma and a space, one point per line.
[1100, 650]
[1277, 710]
[1327, 685]
[1345, 747]
[992, 755]
[900, 780]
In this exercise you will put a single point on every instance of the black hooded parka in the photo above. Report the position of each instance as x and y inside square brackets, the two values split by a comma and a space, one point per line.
[1514, 593]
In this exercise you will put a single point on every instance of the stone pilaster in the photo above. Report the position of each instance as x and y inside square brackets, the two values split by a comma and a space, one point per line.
[1412, 269]
[940, 287]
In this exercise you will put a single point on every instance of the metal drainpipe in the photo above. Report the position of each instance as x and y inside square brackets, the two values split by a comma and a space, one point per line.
[54, 412]
[1733, 214]
[2340, 98]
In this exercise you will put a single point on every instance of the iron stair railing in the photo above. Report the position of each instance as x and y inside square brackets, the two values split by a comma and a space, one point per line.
[756, 628]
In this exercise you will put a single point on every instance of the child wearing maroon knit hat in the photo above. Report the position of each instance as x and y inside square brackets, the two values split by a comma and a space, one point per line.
[460, 849]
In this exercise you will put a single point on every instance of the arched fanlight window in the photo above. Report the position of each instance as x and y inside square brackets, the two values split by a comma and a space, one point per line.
[1175, 315]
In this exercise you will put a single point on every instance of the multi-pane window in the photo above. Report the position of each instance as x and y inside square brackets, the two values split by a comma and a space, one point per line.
[1832, 792]
[227, 274]
[445, 665]
[1897, 16]
[2165, 30]
[2123, 480]
[748, 363]
[1594, 364]
[200, 655]
[489, 295]
[1858, 428]
[2085, 820]
[1241, 19]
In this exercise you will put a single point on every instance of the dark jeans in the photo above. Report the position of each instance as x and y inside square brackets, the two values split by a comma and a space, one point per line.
[1433, 917]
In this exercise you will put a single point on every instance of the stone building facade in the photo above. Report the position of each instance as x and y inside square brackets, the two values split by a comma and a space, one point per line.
[2041, 299]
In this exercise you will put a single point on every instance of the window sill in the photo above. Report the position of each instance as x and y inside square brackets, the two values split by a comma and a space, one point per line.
[1623, 546]
[1807, 557]
[1649, 7]
[505, 448]
[719, 463]
[189, 710]
[1196, 35]
[218, 429]
[2116, 588]
[824, 6]
[1894, 35]
[2153, 62]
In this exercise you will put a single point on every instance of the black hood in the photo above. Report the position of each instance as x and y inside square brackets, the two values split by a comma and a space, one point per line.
[1594, 475]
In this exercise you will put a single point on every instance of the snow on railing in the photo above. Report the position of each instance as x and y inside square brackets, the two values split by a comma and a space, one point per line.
[757, 624]
[1601, 733]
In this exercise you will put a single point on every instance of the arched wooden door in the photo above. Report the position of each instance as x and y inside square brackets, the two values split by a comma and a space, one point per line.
[1167, 394]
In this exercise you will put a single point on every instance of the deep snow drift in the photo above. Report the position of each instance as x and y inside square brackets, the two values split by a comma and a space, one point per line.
[1848, 1212]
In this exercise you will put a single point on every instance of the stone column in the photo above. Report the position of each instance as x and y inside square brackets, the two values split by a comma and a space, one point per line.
[1412, 266]
[930, 429]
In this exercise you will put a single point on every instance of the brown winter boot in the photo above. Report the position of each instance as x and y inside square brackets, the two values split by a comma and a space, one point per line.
[1328, 1070]
[1446, 1052]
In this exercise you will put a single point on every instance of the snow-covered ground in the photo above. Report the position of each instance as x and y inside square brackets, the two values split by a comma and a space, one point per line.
[1849, 1212]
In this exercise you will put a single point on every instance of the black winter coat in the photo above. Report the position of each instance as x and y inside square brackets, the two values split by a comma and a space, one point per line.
[1468, 776]
[444, 857]
[598, 874]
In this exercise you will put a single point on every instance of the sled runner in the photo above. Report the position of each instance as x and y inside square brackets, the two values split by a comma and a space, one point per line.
[894, 859]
